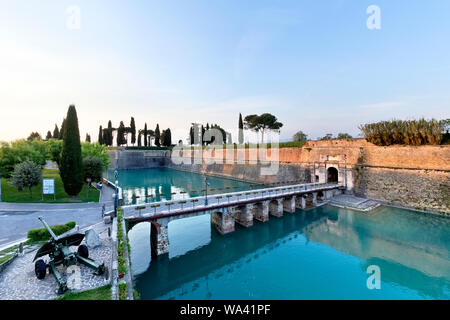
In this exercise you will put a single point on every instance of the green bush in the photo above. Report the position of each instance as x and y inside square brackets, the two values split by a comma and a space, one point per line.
[42, 234]
[93, 168]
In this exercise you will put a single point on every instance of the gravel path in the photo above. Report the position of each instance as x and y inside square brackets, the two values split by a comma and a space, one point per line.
[18, 281]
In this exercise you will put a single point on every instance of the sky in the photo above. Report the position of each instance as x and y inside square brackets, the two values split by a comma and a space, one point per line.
[315, 65]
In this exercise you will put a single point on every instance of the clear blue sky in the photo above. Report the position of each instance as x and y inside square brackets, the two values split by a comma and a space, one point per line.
[314, 64]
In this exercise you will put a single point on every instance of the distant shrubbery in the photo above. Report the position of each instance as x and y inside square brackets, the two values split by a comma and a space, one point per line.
[409, 132]
[38, 151]
[42, 234]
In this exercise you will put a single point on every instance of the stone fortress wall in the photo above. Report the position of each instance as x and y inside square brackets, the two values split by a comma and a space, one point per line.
[409, 176]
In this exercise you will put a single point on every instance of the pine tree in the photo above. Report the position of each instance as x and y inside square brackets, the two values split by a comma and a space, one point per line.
[157, 136]
[71, 165]
[241, 130]
[56, 132]
[49, 135]
[100, 135]
[133, 131]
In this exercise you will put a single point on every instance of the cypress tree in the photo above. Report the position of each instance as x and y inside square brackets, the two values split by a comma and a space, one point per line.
[71, 165]
[191, 135]
[88, 137]
[49, 135]
[121, 134]
[56, 132]
[241, 130]
[145, 135]
[100, 135]
[157, 136]
[139, 139]
[167, 138]
[133, 131]
[110, 134]
[61, 132]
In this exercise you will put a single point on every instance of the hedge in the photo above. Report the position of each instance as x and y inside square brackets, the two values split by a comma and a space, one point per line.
[43, 235]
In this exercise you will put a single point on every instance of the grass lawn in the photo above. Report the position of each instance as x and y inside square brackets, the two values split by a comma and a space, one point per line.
[10, 193]
[102, 293]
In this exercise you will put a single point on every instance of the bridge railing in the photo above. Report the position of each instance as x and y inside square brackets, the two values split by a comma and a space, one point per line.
[215, 200]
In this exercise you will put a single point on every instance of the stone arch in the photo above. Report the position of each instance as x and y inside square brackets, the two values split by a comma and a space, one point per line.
[332, 175]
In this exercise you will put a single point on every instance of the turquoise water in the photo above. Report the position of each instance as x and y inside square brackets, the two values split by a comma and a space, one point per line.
[323, 253]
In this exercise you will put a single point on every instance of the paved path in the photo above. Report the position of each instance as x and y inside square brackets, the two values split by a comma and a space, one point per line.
[16, 219]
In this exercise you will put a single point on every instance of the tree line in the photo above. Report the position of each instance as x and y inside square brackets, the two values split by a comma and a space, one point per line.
[145, 136]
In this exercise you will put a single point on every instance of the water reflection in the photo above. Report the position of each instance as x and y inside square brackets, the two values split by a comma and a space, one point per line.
[322, 253]
[157, 184]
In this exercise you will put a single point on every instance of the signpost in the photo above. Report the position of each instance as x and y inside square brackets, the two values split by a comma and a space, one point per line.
[48, 187]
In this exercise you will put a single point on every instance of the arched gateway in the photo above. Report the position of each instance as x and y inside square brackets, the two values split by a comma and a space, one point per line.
[332, 175]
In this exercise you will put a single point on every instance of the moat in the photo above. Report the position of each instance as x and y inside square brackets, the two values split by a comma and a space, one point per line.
[320, 253]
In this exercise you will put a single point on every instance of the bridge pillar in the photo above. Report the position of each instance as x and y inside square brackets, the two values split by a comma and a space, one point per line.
[276, 208]
[223, 220]
[300, 202]
[261, 211]
[244, 215]
[159, 237]
[314, 200]
[329, 194]
[289, 204]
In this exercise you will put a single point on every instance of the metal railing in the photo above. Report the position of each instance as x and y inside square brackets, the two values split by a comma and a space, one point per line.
[221, 200]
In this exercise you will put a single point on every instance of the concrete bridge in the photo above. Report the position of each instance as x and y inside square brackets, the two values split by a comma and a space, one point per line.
[227, 209]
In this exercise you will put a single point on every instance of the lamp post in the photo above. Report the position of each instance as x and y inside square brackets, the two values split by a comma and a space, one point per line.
[206, 190]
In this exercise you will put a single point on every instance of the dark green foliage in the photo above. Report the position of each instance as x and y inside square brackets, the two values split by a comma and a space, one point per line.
[61, 132]
[26, 175]
[121, 134]
[344, 136]
[71, 166]
[109, 134]
[409, 132]
[133, 131]
[88, 137]
[42, 234]
[300, 136]
[49, 135]
[34, 136]
[100, 135]
[157, 136]
[93, 168]
[241, 130]
[191, 135]
[262, 123]
[56, 132]
[328, 136]
[166, 138]
[145, 135]
[139, 139]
